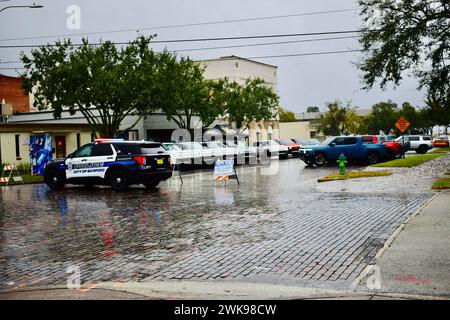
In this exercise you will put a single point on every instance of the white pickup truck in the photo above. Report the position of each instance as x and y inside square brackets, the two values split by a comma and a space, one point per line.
[420, 144]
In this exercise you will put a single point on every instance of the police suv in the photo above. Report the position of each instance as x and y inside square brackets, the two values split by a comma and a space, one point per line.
[113, 162]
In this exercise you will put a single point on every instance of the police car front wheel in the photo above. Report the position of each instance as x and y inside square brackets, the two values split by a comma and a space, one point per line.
[118, 180]
[55, 179]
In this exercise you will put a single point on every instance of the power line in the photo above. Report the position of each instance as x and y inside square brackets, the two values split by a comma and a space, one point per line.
[7, 62]
[305, 54]
[241, 46]
[199, 39]
[266, 44]
[268, 57]
[186, 25]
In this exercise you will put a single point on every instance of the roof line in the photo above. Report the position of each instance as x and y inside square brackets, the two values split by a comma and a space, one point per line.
[233, 57]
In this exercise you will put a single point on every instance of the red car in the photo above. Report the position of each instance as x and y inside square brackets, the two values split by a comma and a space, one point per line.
[393, 146]
[441, 142]
[293, 148]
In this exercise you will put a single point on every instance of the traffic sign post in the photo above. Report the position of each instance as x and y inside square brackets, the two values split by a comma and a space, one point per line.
[402, 124]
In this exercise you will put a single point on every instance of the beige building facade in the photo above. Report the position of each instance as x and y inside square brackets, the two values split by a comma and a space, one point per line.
[293, 130]
[15, 140]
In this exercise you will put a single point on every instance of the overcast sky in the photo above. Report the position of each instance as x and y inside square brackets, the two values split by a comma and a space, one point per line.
[302, 81]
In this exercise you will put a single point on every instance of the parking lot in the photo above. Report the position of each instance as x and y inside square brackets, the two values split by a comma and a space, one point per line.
[282, 228]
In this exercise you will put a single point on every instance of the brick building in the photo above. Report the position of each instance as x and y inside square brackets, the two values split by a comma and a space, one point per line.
[11, 91]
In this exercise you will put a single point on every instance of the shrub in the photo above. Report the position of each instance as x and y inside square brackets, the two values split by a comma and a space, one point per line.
[24, 167]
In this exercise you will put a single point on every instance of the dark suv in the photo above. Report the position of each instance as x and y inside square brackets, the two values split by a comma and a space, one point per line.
[111, 162]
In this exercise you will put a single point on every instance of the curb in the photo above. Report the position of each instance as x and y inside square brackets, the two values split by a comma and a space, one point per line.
[165, 295]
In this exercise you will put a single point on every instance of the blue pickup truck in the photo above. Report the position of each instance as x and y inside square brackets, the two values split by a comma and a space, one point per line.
[352, 147]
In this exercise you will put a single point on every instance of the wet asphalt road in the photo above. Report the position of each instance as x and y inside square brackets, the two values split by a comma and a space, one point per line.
[278, 226]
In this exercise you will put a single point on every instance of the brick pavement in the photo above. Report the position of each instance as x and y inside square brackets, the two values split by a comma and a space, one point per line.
[266, 230]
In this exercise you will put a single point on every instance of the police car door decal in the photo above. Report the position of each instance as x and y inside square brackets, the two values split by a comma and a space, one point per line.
[93, 166]
[88, 167]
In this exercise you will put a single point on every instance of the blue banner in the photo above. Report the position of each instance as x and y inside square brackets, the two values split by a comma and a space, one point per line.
[40, 152]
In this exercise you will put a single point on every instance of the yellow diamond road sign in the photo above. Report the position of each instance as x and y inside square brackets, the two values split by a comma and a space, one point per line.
[402, 124]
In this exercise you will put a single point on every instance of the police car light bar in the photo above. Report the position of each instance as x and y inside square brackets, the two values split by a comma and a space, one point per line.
[108, 140]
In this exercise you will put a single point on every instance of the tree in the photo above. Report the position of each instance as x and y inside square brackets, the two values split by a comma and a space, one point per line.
[437, 113]
[339, 120]
[383, 117]
[413, 116]
[286, 116]
[252, 101]
[410, 35]
[312, 109]
[187, 94]
[103, 82]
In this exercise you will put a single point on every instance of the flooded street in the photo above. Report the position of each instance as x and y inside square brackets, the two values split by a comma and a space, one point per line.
[282, 228]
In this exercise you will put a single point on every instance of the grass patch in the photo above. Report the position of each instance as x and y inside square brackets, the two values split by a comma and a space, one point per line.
[410, 161]
[26, 179]
[441, 150]
[354, 175]
[442, 183]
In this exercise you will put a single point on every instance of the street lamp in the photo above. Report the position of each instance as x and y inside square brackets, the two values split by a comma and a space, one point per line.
[34, 6]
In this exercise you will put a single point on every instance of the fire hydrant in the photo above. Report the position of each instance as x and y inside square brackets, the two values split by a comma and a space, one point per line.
[342, 161]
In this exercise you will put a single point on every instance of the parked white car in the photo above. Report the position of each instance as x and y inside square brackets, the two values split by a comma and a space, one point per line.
[177, 154]
[195, 151]
[420, 144]
[271, 147]
[242, 150]
[215, 150]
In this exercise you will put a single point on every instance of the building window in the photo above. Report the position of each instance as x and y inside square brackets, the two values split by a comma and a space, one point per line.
[17, 145]
[78, 140]
[236, 65]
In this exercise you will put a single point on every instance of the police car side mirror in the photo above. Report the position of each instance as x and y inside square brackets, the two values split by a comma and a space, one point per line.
[69, 156]
[332, 144]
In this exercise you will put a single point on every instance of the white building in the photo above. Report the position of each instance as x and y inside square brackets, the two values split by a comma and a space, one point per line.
[239, 70]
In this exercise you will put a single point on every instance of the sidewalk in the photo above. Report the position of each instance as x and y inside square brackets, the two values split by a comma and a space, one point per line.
[418, 260]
